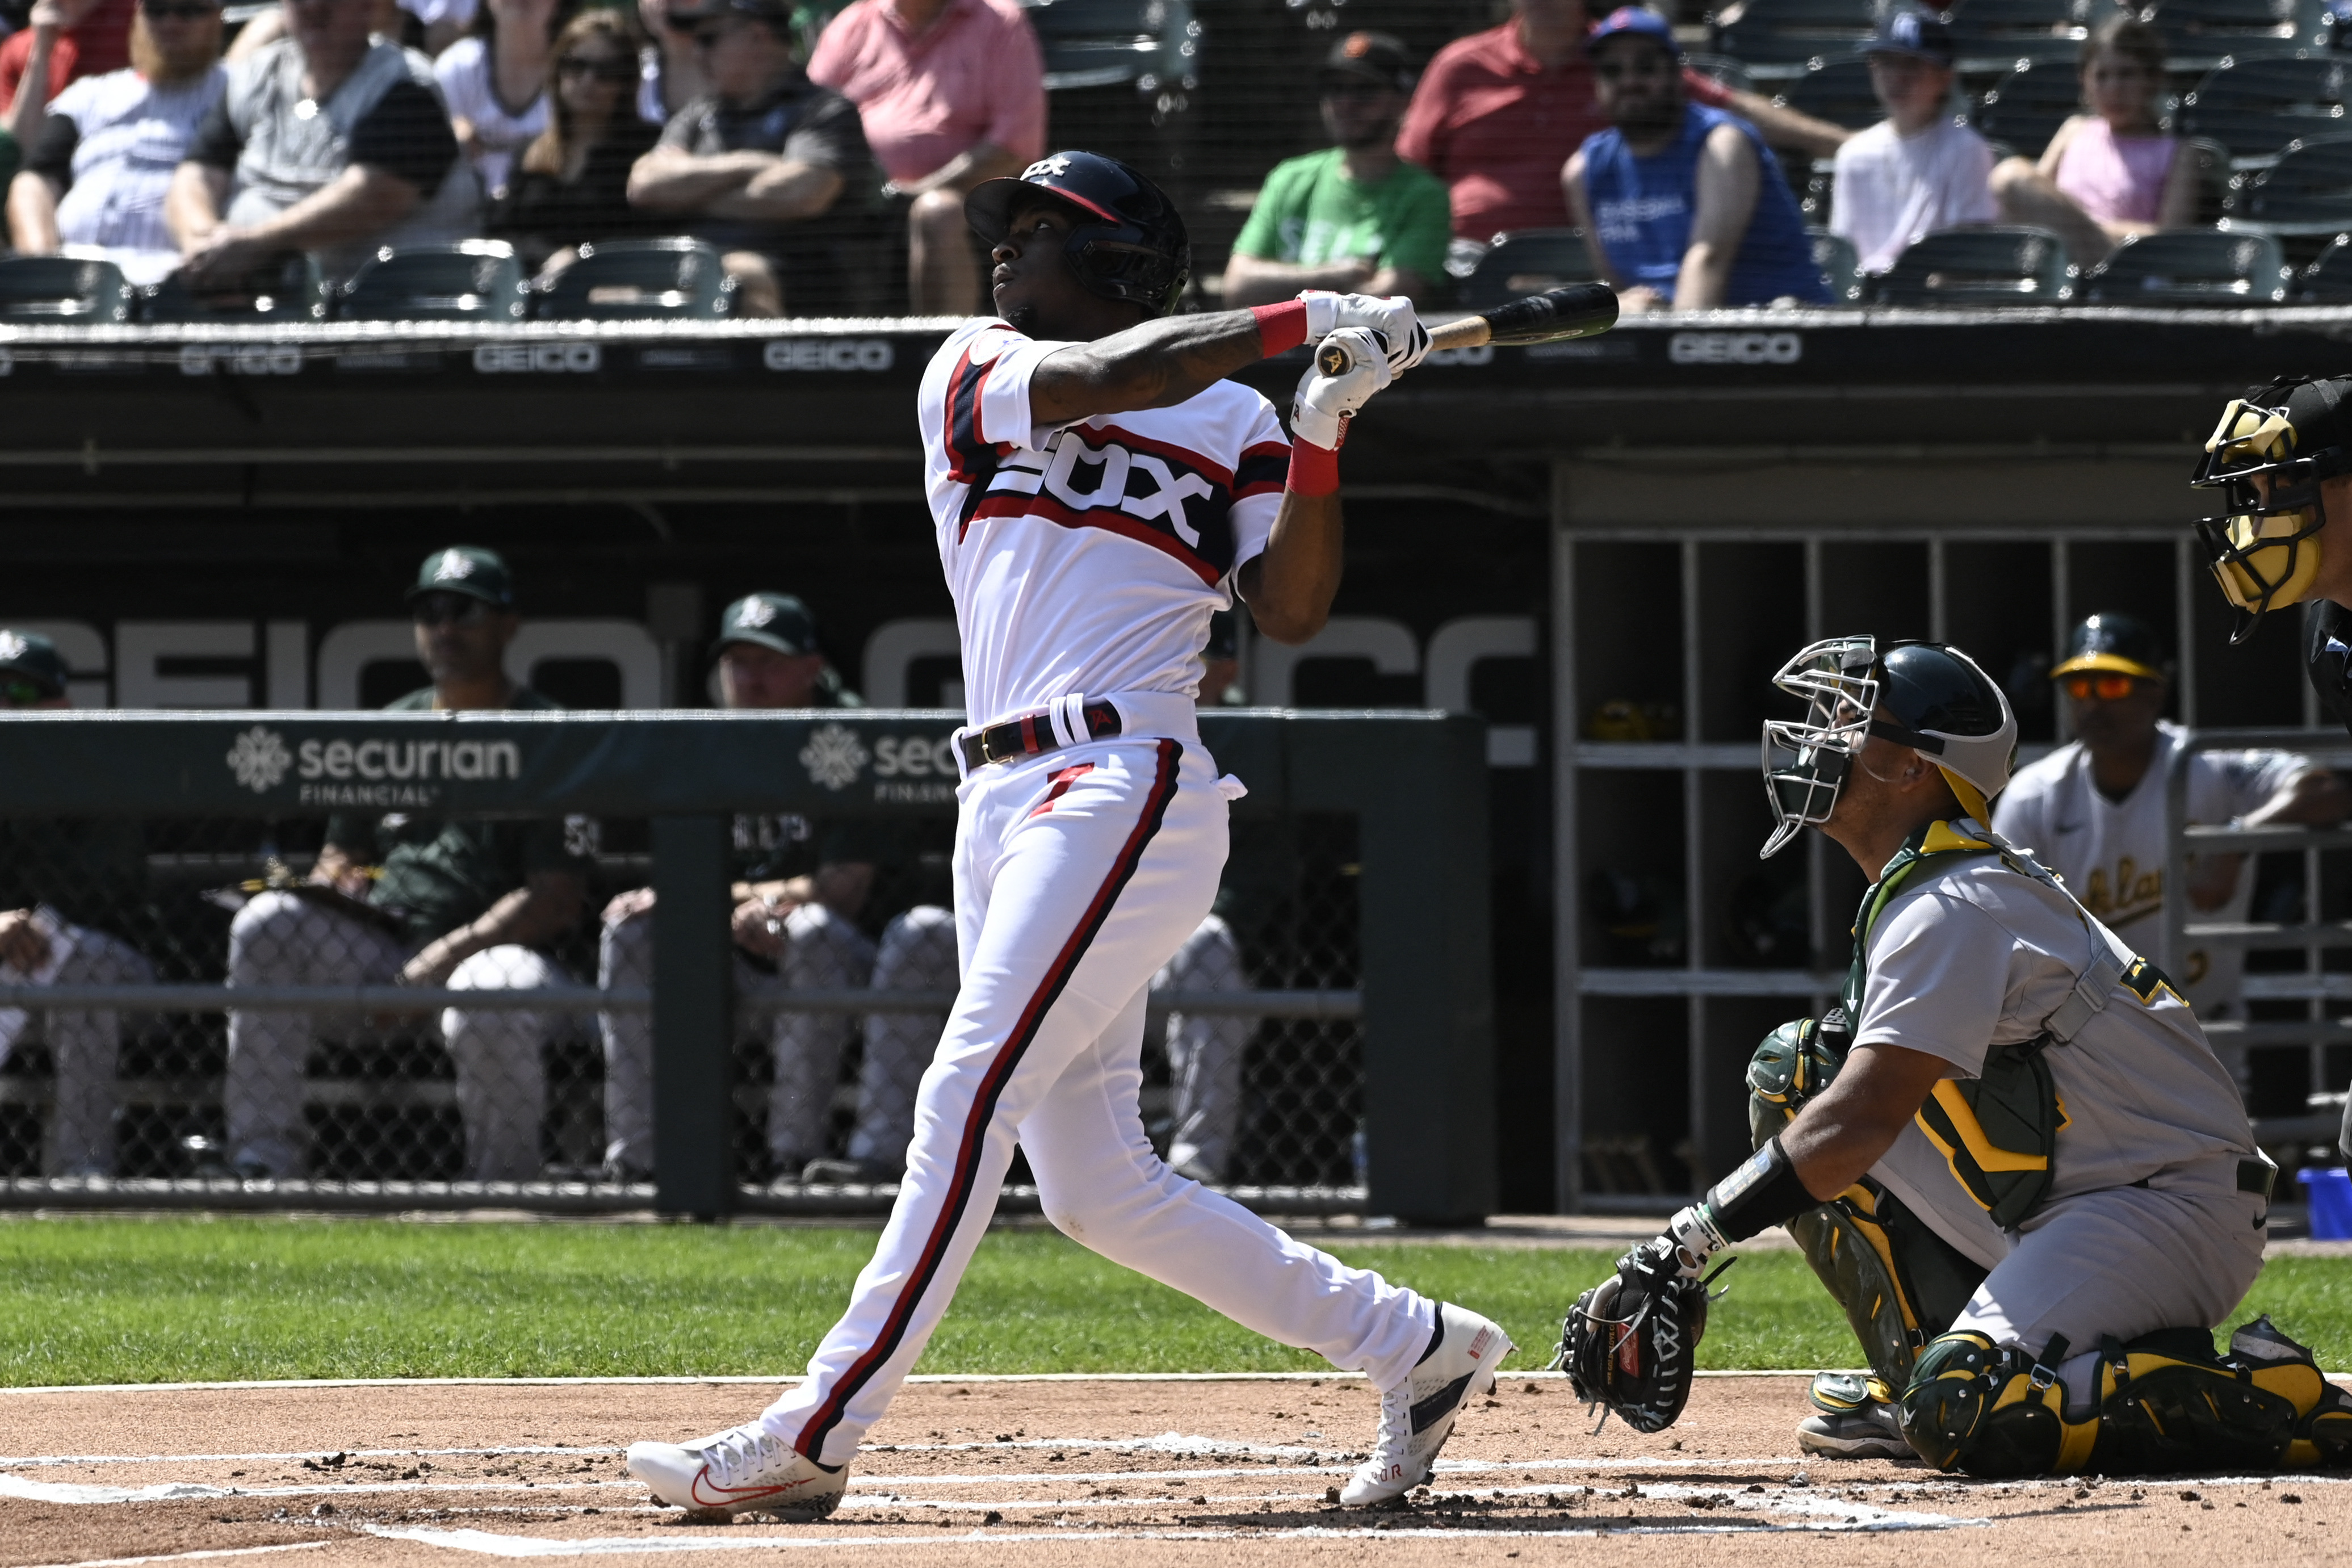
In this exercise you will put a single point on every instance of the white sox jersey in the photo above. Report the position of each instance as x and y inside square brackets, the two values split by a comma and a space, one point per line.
[1088, 558]
[2112, 853]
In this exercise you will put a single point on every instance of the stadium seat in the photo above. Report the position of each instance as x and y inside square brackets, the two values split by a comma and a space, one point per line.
[2307, 192]
[2025, 107]
[1528, 261]
[62, 290]
[286, 289]
[1776, 39]
[2329, 279]
[1841, 267]
[472, 280]
[2254, 106]
[1991, 35]
[1107, 43]
[1979, 266]
[2199, 35]
[1836, 90]
[637, 279]
[2191, 266]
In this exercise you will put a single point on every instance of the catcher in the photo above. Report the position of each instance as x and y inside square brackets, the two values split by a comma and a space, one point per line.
[2011, 1154]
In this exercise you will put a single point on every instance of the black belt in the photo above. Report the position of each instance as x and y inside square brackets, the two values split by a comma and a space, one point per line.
[2253, 1176]
[1030, 735]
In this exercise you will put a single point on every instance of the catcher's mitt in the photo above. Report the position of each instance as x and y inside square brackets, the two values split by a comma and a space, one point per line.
[1630, 1343]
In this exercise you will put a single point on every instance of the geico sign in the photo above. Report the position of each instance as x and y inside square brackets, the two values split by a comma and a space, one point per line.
[829, 354]
[202, 359]
[539, 359]
[1736, 348]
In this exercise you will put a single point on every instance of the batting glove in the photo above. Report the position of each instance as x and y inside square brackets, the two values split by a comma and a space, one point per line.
[1403, 337]
[1324, 404]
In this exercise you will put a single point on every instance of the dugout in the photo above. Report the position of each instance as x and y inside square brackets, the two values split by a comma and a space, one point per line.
[224, 518]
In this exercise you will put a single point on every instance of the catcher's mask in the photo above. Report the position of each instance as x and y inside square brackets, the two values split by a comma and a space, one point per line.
[1942, 704]
[2265, 548]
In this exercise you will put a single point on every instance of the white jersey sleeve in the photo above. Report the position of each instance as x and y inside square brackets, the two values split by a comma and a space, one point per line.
[1939, 979]
[2021, 814]
[1259, 480]
[2230, 784]
[974, 402]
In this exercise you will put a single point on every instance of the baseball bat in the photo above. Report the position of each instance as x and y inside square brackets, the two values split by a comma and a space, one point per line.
[1577, 310]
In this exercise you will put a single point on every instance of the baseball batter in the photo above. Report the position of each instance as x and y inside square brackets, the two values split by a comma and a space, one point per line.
[1099, 492]
[2011, 1154]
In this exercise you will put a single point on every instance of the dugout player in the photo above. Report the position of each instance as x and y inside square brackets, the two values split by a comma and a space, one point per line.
[2282, 459]
[2092, 810]
[1100, 489]
[2011, 1154]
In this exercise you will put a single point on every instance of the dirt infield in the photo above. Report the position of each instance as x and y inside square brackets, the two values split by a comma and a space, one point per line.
[1109, 1473]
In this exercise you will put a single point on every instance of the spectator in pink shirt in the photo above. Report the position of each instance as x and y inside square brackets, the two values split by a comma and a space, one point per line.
[952, 92]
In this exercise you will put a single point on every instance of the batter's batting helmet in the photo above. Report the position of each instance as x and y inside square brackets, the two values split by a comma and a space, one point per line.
[1130, 243]
[2265, 550]
[1942, 705]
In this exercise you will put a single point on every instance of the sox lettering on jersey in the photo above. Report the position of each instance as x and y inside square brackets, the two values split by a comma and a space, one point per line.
[1150, 492]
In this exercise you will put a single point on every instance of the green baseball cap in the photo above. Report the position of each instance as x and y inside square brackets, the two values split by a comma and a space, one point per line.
[30, 656]
[467, 569]
[778, 621]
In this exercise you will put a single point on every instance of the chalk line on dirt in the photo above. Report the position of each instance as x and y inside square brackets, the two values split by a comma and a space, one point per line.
[190, 1556]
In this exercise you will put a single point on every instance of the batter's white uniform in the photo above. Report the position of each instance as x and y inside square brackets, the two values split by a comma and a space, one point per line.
[2145, 1226]
[1085, 565]
[2112, 852]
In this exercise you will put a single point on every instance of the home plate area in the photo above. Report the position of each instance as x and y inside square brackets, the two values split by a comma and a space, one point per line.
[1111, 1471]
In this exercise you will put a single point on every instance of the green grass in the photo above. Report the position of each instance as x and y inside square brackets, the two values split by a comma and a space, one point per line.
[139, 1301]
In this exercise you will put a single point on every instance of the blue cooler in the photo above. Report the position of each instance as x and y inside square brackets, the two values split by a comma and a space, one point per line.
[2330, 1193]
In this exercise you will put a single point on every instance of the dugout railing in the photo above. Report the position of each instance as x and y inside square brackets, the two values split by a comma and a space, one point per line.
[1367, 1078]
[2298, 1019]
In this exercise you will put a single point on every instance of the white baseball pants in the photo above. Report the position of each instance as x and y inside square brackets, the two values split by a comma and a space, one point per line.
[1077, 874]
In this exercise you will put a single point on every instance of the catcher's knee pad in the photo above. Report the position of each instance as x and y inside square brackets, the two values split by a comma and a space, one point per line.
[1795, 1062]
[1899, 1282]
[2163, 1402]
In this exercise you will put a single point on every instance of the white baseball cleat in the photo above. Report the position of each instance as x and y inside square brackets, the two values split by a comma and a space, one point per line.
[741, 1471]
[1417, 1415]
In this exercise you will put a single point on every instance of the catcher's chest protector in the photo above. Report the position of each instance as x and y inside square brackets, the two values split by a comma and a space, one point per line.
[1998, 1131]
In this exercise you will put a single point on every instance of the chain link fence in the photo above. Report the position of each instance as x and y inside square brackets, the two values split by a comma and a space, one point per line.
[385, 1041]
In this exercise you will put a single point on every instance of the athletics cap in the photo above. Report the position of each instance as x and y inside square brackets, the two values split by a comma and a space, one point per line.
[778, 621]
[32, 657]
[1637, 19]
[467, 569]
[2111, 640]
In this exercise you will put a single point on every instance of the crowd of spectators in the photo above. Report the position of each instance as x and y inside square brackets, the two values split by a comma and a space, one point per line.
[814, 151]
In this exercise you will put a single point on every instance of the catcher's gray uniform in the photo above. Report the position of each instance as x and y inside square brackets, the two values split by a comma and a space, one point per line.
[2145, 1225]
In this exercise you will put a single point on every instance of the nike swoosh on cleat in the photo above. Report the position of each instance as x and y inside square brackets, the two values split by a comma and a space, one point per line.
[1438, 1405]
[738, 1494]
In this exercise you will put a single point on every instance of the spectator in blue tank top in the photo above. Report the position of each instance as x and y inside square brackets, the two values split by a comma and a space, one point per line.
[1683, 206]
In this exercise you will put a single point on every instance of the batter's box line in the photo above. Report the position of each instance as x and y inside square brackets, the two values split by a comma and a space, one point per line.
[190, 1556]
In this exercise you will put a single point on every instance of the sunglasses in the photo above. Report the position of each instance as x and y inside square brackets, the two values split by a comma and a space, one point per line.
[450, 609]
[1619, 71]
[613, 69]
[2106, 687]
[710, 38]
[25, 693]
[187, 11]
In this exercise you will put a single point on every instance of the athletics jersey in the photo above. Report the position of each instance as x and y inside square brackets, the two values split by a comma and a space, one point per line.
[2112, 852]
[1087, 559]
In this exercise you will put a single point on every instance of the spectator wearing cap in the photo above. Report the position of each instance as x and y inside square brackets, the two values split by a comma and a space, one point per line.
[1354, 217]
[1497, 113]
[1919, 170]
[62, 882]
[1683, 204]
[769, 166]
[950, 93]
[423, 900]
[325, 141]
[2094, 810]
[62, 41]
[99, 168]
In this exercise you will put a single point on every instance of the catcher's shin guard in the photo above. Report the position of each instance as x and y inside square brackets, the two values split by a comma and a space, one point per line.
[2164, 1402]
[1899, 1282]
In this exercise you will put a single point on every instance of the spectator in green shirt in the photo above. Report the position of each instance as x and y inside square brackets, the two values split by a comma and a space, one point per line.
[1354, 217]
[421, 901]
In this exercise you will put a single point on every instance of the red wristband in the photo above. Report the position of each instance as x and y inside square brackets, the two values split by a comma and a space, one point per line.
[1313, 470]
[1280, 328]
